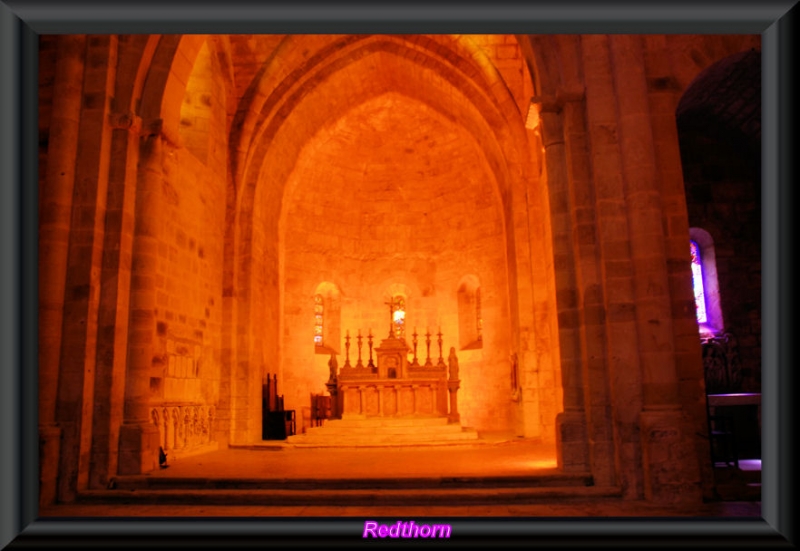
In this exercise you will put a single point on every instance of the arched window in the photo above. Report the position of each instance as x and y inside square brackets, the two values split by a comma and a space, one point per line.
[697, 283]
[470, 316]
[327, 318]
[704, 282]
[399, 316]
[319, 320]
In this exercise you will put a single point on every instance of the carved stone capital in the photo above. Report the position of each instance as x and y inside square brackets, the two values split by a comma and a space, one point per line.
[156, 127]
[574, 95]
[547, 104]
[125, 121]
[554, 103]
[152, 127]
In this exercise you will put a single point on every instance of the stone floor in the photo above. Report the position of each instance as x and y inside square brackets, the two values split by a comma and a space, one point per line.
[591, 509]
[496, 457]
[234, 498]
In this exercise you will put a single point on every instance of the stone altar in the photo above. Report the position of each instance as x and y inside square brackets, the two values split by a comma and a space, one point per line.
[392, 387]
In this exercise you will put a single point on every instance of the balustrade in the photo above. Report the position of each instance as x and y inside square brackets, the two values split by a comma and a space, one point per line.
[183, 426]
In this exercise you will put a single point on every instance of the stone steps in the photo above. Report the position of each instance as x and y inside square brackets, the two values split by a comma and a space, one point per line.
[382, 431]
[373, 439]
[386, 422]
[349, 497]
[552, 479]
[332, 427]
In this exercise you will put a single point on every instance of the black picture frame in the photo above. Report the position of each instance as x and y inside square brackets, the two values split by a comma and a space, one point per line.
[22, 21]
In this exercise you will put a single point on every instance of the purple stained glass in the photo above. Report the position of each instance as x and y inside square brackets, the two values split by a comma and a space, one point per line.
[697, 284]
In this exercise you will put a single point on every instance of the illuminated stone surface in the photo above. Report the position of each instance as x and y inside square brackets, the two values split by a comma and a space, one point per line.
[197, 192]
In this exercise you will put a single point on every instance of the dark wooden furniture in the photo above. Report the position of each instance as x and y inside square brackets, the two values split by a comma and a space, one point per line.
[722, 439]
[734, 417]
[276, 422]
[320, 409]
[740, 413]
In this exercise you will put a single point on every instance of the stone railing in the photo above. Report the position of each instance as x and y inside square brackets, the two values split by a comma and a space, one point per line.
[184, 427]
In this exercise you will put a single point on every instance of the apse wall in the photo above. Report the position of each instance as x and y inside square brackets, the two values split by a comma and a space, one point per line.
[395, 199]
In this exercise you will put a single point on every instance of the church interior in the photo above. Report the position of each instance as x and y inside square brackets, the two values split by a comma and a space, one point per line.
[530, 255]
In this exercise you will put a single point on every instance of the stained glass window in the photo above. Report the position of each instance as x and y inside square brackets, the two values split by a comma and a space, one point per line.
[319, 310]
[399, 316]
[697, 284]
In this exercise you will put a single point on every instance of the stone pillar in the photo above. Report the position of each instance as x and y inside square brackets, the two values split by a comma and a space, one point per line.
[138, 441]
[670, 466]
[75, 409]
[571, 429]
[664, 95]
[609, 306]
[112, 341]
[55, 214]
[592, 315]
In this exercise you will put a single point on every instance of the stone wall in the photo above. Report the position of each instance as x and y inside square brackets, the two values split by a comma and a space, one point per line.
[409, 217]
[188, 283]
[172, 277]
